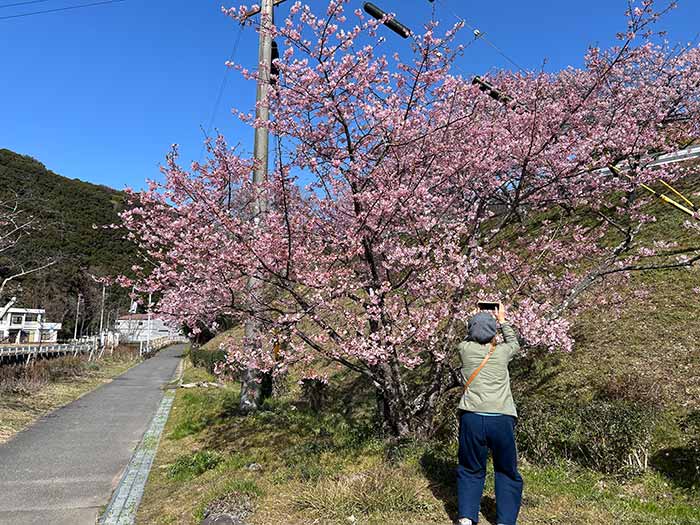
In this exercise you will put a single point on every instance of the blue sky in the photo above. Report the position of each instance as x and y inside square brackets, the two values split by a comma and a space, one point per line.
[100, 93]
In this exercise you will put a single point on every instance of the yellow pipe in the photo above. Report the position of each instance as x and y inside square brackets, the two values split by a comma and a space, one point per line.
[674, 190]
[669, 200]
[655, 193]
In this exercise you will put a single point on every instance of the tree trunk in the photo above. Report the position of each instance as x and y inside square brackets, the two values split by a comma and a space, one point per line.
[405, 413]
[396, 420]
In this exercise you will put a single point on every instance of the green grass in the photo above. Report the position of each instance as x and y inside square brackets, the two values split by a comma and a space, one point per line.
[192, 465]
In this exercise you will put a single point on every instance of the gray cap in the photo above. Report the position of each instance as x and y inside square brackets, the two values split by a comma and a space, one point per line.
[482, 327]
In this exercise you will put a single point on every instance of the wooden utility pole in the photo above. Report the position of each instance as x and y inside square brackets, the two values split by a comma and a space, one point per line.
[77, 314]
[251, 386]
[102, 313]
[148, 324]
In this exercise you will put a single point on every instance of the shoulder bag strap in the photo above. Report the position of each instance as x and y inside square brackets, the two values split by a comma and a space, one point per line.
[478, 368]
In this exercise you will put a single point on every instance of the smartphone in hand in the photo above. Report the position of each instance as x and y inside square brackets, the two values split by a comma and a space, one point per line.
[488, 306]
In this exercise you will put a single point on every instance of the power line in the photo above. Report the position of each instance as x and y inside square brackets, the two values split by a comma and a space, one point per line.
[222, 87]
[478, 35]
[61, 9]
[23, 3]
[502, 53]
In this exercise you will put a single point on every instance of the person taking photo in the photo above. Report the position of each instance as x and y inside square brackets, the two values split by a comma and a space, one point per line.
[487, 418]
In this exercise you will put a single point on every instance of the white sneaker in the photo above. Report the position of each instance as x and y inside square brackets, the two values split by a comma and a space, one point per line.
[465, 521]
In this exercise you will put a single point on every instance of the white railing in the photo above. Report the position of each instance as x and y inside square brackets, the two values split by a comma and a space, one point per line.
[86, 345]
[147, 347]
[36, 349]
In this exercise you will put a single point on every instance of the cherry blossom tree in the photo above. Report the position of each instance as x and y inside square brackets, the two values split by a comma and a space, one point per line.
[401, 194]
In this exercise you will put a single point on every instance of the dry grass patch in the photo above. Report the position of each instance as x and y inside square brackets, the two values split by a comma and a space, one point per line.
[379, 492]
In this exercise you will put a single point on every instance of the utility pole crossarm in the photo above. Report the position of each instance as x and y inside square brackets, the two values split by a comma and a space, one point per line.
[255, 11]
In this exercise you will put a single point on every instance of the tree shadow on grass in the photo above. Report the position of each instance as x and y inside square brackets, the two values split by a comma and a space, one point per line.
[440, 471]
[680, 465]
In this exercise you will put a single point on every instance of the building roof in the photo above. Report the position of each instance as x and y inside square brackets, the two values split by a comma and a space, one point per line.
[26, 311]
[134, 317]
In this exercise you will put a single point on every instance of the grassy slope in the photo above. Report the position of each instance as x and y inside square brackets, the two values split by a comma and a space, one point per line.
[318, 469]
[18, 411]
[655, 337]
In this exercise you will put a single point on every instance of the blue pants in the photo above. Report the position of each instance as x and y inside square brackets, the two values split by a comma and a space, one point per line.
[477, 435]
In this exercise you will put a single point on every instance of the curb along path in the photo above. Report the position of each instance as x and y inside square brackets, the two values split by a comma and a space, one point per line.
[63, 469]
[125, 502]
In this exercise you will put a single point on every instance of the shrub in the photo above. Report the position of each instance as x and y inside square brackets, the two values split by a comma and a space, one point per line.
[192, 465]
[633, 388]
[21, 379]
[544, 430]
[206, 358]
[63, 367]
[124, 353]
[613, 436]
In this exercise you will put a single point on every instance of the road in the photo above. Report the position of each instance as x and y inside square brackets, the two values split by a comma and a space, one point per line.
[63, 469]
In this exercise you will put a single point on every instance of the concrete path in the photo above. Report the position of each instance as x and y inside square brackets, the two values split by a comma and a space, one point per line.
[62, 470]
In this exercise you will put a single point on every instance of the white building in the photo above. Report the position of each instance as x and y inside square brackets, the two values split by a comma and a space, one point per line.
[26, 325]
[134, 328]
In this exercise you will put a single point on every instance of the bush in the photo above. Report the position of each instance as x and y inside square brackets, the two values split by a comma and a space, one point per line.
[192, 465]
[613, 436]
[124, 353]
[206, 358]
[21, 379]
[63, 367]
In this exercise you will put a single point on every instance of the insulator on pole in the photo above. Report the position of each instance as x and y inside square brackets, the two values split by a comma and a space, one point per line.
[492, 92]
[274, 70]
[396, 26]
[497, 94]
[257, 9]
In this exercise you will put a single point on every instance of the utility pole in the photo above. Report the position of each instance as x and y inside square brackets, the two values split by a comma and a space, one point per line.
[102, 314]
[262, 112]
[251, 387]
[77, 313]
[148, 325]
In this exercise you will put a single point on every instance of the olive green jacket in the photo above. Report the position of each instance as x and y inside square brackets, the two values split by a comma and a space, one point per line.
[490, 390]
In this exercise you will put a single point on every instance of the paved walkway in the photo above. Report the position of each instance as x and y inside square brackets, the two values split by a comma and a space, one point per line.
[62, 470]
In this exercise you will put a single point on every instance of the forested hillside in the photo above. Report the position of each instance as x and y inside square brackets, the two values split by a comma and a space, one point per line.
[65, 213]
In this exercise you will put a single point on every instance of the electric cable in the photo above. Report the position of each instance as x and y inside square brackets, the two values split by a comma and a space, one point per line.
[222, 87]
[478, 35]
[468, 44]
[61, 9]
[23, 3]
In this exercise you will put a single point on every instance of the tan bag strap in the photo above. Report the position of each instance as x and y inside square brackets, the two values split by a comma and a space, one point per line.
[478, 368]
